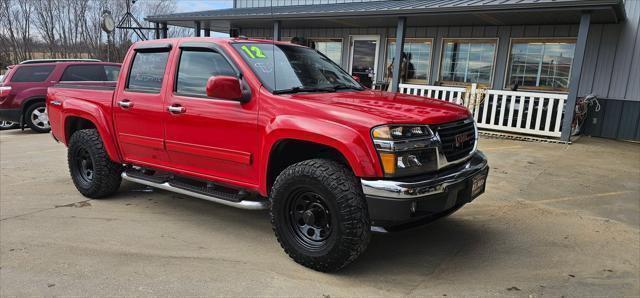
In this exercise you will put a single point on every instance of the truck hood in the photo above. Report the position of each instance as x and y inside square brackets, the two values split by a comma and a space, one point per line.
[390, 107]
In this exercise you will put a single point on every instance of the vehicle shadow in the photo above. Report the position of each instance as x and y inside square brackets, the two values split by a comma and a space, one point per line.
[421, 250]
[211, 212]
[18, 131]
[417, 252]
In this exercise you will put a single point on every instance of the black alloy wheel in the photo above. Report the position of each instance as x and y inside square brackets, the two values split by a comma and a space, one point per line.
[85, 165]
[309, 218]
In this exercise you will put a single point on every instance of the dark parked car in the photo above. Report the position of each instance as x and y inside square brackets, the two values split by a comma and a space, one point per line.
[24, 88]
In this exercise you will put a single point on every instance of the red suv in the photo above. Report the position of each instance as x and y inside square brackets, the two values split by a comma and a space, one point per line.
[24, 87]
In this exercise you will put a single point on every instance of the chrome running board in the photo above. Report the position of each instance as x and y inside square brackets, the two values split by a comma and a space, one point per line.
[249, 205]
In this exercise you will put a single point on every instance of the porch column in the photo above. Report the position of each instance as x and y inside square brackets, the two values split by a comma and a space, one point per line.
[207, 31]
[400, 31]
[164, 30]
[197, 28]
[276, 30]
[576, 71]
[156, 30]
[234, 32]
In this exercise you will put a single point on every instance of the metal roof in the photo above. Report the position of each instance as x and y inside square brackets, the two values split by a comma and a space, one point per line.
[386, 8]
[418, 12]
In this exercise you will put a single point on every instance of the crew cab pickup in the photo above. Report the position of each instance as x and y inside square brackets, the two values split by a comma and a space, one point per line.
[257, 124]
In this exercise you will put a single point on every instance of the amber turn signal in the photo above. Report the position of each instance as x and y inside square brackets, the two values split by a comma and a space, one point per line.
[388, 163]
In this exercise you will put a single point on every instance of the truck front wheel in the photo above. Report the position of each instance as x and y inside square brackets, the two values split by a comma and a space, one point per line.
[319, 214]
[93, 173]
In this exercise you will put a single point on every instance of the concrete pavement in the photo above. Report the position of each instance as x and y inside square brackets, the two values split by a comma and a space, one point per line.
[556, 220]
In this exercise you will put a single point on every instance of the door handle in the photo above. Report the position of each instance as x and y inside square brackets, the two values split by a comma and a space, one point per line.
[176, 109]
[125, 103]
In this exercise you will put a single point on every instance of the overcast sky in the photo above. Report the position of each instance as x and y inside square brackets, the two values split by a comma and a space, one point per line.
[199, 5]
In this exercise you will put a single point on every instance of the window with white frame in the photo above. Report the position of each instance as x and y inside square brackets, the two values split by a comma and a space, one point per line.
[416, 65]
[466, 61]
[540, 64]
[330, 47]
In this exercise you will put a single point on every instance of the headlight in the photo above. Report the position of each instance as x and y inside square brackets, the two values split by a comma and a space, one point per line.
[400, 132]
[405, 150]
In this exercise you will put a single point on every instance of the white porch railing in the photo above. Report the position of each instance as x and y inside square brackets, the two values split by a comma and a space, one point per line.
[532, 113]
[450, 94]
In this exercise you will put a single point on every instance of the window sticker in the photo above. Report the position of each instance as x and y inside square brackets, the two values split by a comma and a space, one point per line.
[253, 52]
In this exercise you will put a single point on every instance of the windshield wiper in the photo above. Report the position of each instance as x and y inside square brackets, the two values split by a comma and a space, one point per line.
[302, 89]
[342, 87]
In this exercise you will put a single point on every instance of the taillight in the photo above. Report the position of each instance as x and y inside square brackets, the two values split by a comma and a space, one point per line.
[4, 91]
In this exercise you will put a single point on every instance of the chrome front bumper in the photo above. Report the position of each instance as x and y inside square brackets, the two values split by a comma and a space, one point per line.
[427, 185]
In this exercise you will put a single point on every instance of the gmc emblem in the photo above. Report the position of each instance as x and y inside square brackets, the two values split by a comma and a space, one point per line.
[462, 138]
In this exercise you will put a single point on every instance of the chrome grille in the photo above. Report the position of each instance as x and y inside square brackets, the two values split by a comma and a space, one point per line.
[458, 139]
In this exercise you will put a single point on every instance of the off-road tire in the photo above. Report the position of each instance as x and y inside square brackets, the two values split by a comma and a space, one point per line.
[106, 177]
[27, 118]
[351, 230]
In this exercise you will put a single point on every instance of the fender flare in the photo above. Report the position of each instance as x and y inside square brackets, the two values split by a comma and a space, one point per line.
[344, 139]
[93, 113]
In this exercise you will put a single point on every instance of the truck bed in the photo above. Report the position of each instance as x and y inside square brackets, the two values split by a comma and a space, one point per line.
[77, 98]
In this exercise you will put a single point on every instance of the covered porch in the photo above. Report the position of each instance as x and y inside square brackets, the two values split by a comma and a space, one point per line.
[473, 53]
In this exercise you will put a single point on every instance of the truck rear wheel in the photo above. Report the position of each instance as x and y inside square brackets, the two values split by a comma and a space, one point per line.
[93, 173]
[319, 214]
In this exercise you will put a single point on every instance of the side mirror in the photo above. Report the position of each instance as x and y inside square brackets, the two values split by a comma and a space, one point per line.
[356, 78]
[224, 87]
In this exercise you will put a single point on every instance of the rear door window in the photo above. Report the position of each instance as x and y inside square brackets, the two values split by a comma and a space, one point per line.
[112, 72]
[32, 73]
[147, 71]
[196, 67]
[94, 72]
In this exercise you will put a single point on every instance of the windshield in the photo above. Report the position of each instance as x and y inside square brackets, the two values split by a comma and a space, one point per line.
[291, 68]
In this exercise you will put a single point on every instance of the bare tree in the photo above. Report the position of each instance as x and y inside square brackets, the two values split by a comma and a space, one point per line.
[16, 23]
[160, 7]
[5, 41]
[71, 28]
[44, 23]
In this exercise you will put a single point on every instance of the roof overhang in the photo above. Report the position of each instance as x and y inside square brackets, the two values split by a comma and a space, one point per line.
[417, 12]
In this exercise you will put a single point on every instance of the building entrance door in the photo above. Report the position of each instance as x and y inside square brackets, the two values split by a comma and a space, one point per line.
[363, 62]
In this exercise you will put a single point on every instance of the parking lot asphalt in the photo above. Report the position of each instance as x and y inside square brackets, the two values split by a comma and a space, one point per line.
[556, 220]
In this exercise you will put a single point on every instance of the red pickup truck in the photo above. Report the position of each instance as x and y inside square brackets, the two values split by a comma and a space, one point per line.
[255, 124]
